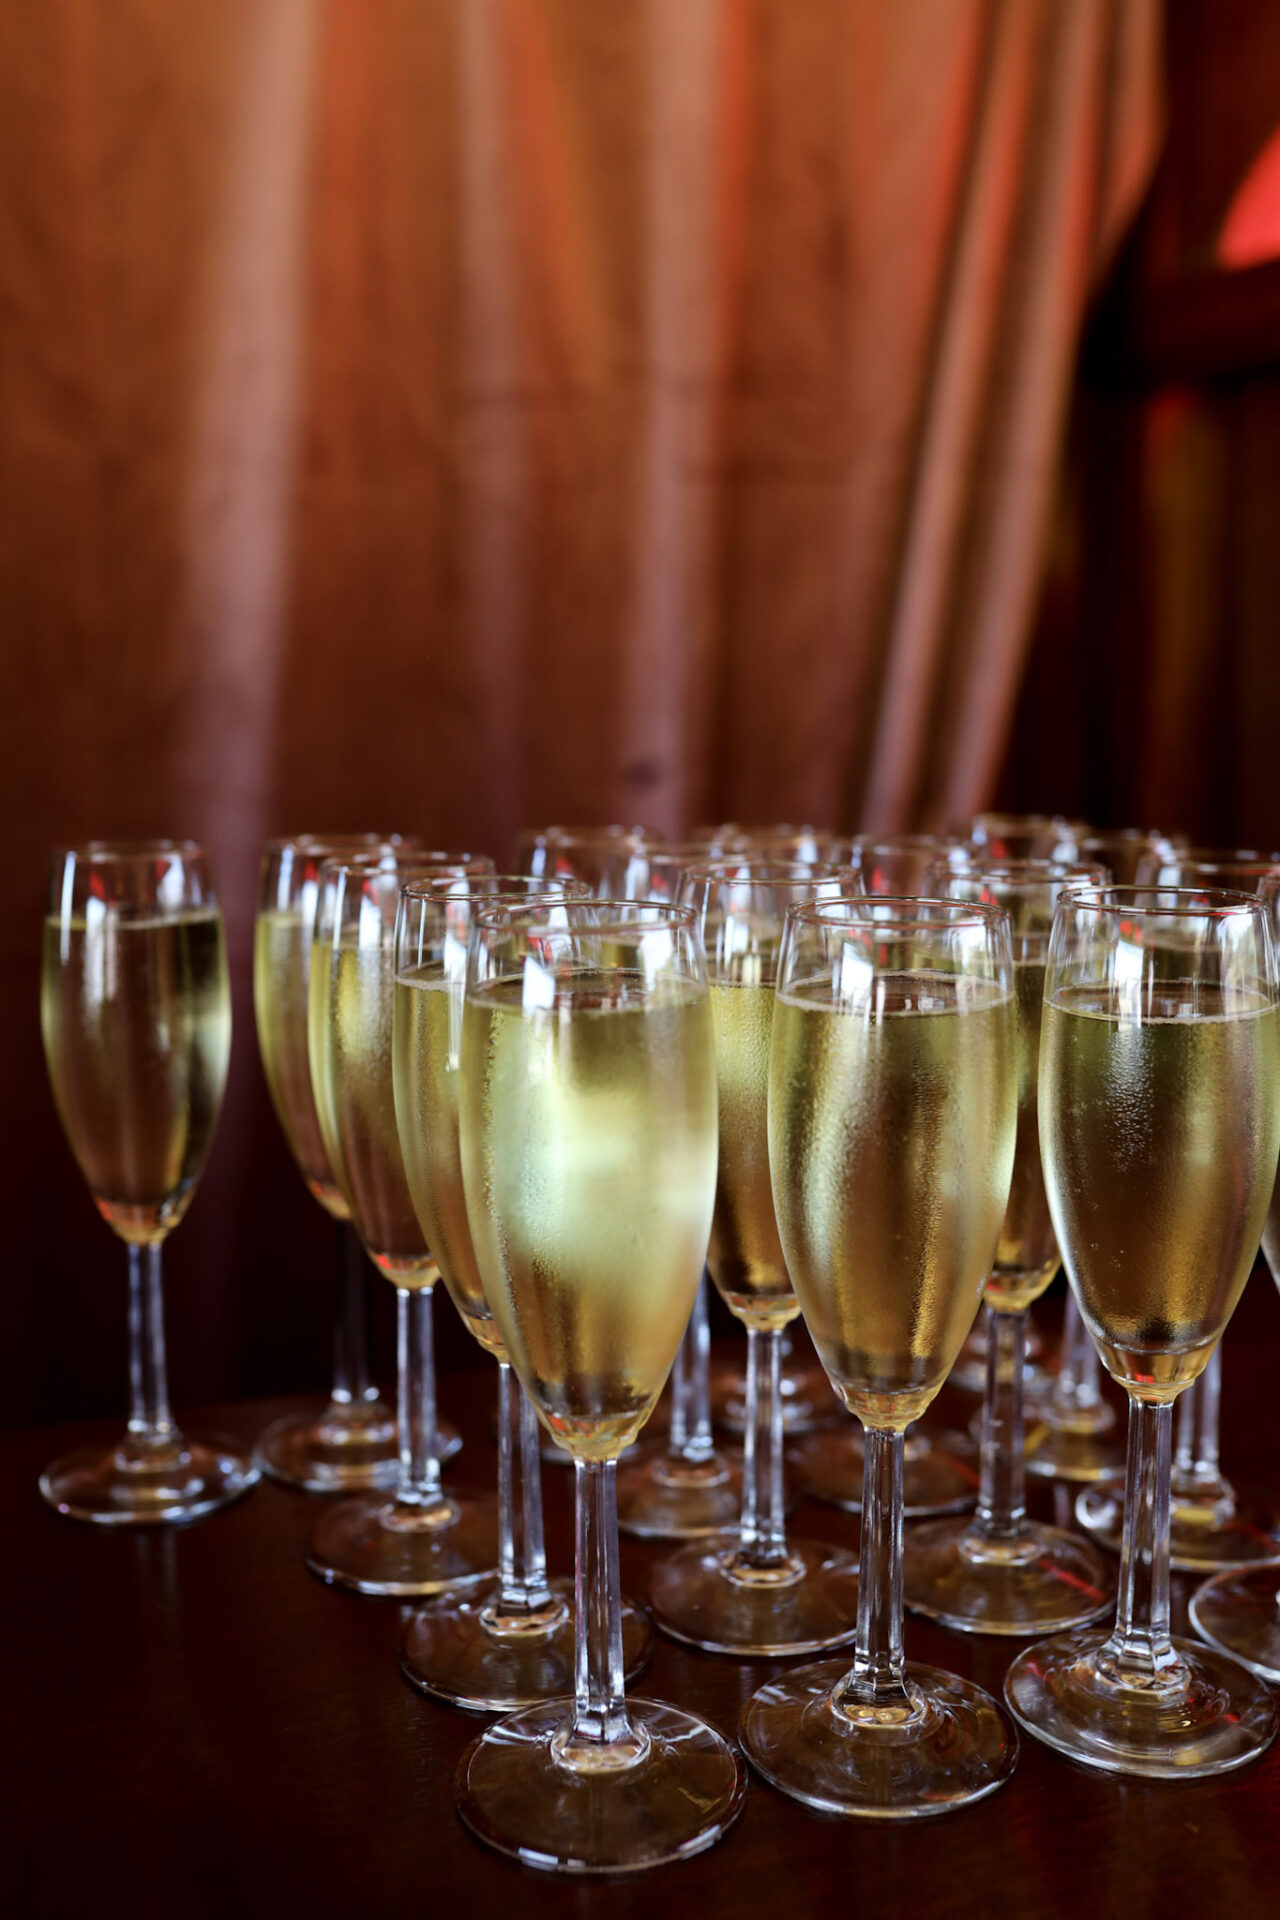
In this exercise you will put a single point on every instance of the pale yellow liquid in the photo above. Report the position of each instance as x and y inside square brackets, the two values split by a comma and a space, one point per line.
[1160, 1142]
[745, 1256]
[349, 1032]
[1027, 1257]
[281, 967]
[426, 1060]
[891, 1137]
[136, 1016]
[589, 1152]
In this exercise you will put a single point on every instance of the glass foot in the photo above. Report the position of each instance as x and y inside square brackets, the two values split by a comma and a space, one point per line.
[661, 1497]
[339, 1449]
[939, 1472]
[809, 1400]
[957, 1745]
[1072, 1453]
[459, 1650]
[684, 1789]
[122, 1487]
[375, 1545]
[1209, 1536]
[1239, 1614]
[1044, 1580]
[1207, 1716]
[701, 1596]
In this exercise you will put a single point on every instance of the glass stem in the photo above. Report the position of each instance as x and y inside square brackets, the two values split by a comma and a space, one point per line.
[878, 1677]
[522, 1553]
[763, 1538]
[690, 1438]
[352, 1386]
[1195, 1466]
[419, 1484]
[1076, 1389]
[1140, 1645]
[1002, 1506]
[151, 1427]
[601, 1726]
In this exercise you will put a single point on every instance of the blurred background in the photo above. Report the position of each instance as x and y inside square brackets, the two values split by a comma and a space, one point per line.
[458, 416]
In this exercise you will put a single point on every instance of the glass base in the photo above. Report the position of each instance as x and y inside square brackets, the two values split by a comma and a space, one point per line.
[809, 1400]
[1046, 1579]
[955, 1748]
[1072, 1453]
[939, 1471]
[340, 1449]
[1239, 1614]
[700, 1597]
[1209, 1716]
[458, 1650]
[661, 1497]
[682, 1792]
[375, 1545]
[124, 1487]
[1210, 1537]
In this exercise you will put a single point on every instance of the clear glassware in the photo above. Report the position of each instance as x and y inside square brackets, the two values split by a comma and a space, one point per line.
[597, 855]
[894, 1022]
[759, 1592]
[419, 1539]
[135, 1010]
[350, 1443]
[1068, 1439]
[999, 1571]
[1214, 1523]
[687, 1487]
[588, 1126]
[1160, 1130]
[510, 1644]
[939, 1468]
[1027, 836]
[1122, 850]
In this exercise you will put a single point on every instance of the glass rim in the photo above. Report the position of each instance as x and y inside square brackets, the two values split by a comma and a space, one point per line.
[1254, 869]
[431, 864]
[952, 913]
[321, 842]
[1206, 903]
[1028, 872]
[433, 886]
[130, 851]
[770, 870]
[657, 912]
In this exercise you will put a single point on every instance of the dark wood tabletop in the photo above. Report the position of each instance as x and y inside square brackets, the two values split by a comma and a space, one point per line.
[191, 1725]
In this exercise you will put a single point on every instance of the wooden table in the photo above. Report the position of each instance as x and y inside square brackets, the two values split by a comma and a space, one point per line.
[193, 1726]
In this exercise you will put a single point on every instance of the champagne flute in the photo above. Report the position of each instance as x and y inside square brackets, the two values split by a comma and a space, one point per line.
[1027, 836]
[760, 1592]
[689, 1487]
[351, 1442]
[1000, 1571]
[135, 1010]
[1214, 1523]
[512, 1644]
[939, 1470]
[422, 1540]
[892, 1117]
[598, 855]
[588, 1130]
[1160, 1129]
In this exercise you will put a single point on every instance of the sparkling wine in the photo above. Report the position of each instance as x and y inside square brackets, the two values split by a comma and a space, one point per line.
[745, 1257]
[281, 957]
[136, 1015]
[588, 1130]
[1160, 1138]
[1027, 1256]
[891, 1137]
[349, 1032]
[426, 1043]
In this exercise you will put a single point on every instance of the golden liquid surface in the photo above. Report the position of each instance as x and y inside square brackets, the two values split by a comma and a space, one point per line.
[281, 969]
[349, 1022]
[136, 1016]
[891, 1138]
[588, 1150]
[745, 1256]
[426, 1052]
[1027, 1257]
[1160, 1141]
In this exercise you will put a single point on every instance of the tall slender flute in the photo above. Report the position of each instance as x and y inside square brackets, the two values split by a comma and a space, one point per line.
[424, 1540]
[1159, 1127]
[511, 1644]
[894, 1024]
[588, 1128]
[136, 1015]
